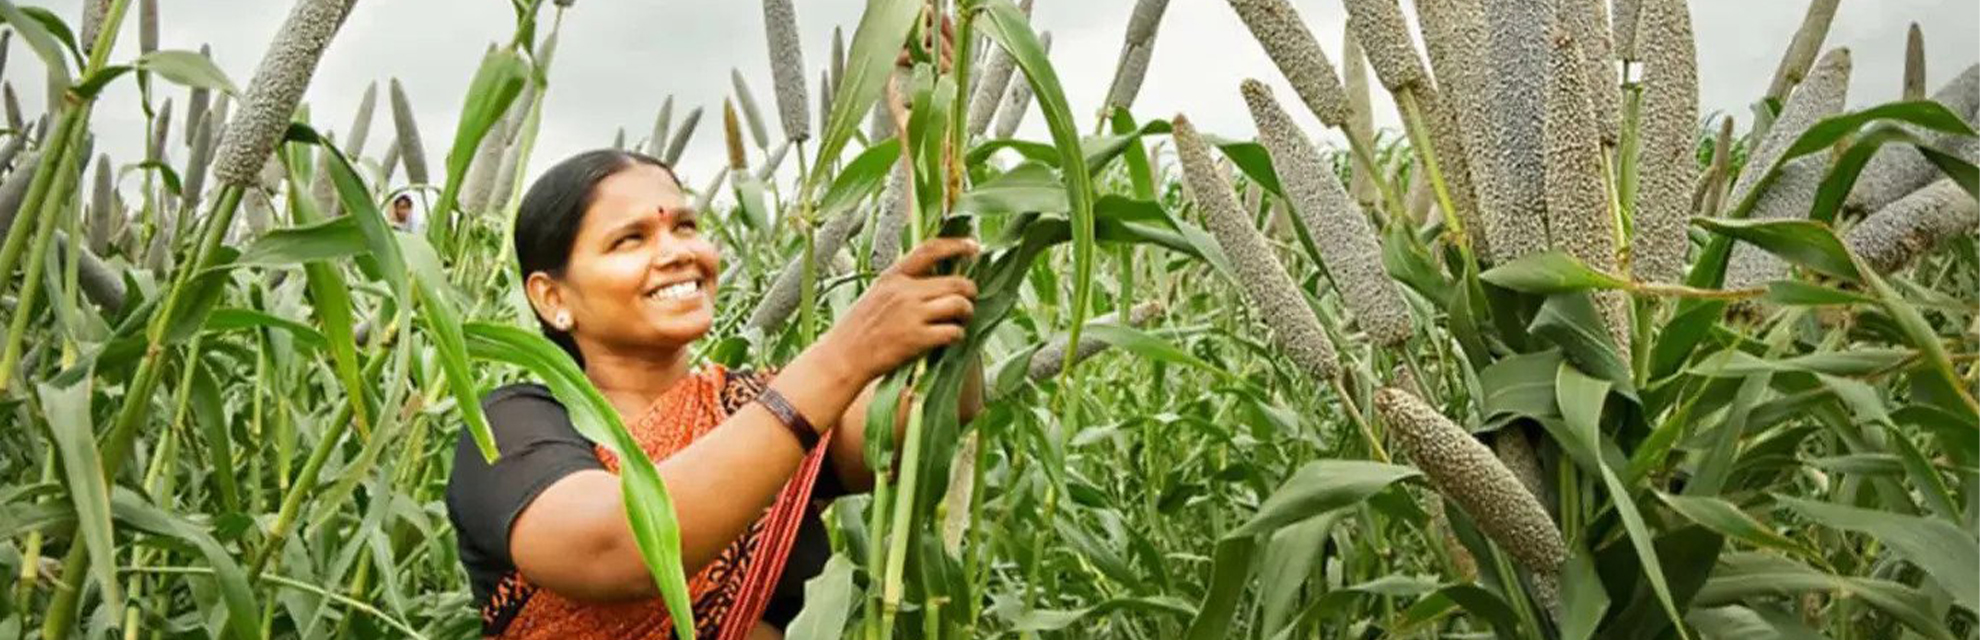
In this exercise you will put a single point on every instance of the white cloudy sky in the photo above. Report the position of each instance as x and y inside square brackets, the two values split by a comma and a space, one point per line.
[619, 59]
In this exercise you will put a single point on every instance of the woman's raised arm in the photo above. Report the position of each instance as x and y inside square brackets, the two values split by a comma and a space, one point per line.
[574, 538]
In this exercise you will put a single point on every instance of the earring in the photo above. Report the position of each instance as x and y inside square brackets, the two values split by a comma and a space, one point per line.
[562, 321]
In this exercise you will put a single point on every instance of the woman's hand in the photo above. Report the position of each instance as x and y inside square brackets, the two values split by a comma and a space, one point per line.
[943, 50]
[907, 312]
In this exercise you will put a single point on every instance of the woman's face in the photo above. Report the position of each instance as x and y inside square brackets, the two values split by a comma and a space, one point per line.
[641, 274]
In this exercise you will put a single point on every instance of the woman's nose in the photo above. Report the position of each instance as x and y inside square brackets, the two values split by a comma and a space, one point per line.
[670, 251]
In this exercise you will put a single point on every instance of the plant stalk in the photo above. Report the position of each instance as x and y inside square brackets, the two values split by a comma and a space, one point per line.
[1661, 289]
[1368, 434]
[1364, 160]
[901, 528]
[1419, 138]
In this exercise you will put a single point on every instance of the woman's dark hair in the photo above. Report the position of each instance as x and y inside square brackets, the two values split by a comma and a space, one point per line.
[553, 209]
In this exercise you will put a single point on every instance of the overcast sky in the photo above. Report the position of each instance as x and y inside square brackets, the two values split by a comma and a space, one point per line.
[618, 60]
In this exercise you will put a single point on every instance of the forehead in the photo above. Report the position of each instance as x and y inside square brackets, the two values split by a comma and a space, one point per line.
[635, 191]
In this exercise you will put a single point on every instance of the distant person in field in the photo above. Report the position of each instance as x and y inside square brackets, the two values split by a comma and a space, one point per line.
[404, 216]
[620, 274]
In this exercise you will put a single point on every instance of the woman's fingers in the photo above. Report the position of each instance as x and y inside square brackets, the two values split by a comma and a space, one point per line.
[923, 258]
[940, 286]
[947, 48]
[951, 308]
[945, 334]
[943, 49]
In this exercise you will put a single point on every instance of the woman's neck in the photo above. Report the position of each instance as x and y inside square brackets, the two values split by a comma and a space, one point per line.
[633, 381]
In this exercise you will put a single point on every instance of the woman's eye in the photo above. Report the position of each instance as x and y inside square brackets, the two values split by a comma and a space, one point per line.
[688, 225]
[626, 241]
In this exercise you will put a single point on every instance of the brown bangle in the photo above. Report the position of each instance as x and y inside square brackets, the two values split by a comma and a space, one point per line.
[807, 435]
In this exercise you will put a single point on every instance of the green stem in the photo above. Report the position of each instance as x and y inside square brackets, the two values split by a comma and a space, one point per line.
[903, 524]
[1626, 165]
[1568, 486]
[340, 423]
[808, 282]
[257, 421]
[1644, 327]
[106, 37]
[1364, 160]
[959, 105]
[902, 530]
[1515, 594]
[1618, 218]
[359, 583]
[876, 549]
[973, 566]
[63, 608]
[1368, 434]
[1659, 289]
[137, 402]
[223, 474]
[135, 587]
[1425, 389]
[31, 551]
[292, 500]
[1031, 574]
[1419, 138]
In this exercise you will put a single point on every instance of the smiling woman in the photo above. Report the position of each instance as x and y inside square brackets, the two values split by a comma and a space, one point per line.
[620, 276]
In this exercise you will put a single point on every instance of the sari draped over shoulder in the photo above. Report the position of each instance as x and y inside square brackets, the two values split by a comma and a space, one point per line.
[729, 594]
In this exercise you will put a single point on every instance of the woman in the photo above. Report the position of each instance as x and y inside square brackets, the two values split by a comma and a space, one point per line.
[622, 278]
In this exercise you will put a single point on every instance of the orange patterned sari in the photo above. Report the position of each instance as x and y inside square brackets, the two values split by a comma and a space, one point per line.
[729, 594]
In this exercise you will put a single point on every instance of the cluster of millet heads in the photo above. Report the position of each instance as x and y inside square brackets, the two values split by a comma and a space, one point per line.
[1523, 113]
[1910, 207]
[786, 291]
[1523, 98]
[101, 284]
[1520, 112]
[1266, 284]
[492, 171]
[1820, 95]
[1001, 95]
[234, 151]
[1906, 206]
[668, 139]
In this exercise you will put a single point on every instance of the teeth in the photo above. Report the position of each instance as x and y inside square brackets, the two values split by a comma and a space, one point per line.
[677, 291]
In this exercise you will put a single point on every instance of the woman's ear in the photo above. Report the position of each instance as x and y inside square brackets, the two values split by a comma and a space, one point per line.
[546, 296]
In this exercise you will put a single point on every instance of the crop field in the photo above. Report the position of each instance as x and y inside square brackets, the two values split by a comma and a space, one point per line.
[1563, 356]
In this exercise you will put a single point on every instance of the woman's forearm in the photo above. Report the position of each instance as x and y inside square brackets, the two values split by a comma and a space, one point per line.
[576, 540]
[723, 481]
[719, 485]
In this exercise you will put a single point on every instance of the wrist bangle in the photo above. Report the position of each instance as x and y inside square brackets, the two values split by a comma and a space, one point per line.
[793, 421]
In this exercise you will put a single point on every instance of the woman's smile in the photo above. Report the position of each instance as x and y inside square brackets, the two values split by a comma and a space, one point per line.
[677, 291]
[679, 296]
